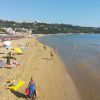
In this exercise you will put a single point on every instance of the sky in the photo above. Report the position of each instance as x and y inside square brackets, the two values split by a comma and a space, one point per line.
[75, 12]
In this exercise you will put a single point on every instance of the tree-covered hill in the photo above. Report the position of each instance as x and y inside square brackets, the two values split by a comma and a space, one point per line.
[45, 28]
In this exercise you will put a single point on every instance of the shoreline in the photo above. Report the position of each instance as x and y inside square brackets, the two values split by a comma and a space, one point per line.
[52, 79]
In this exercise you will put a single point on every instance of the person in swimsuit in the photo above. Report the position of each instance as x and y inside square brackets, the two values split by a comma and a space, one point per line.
[32, 89]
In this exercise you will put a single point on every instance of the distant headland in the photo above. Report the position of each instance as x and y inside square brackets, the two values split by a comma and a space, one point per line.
[44, 28]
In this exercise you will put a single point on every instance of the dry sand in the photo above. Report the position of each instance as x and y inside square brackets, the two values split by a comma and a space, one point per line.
[52, 79]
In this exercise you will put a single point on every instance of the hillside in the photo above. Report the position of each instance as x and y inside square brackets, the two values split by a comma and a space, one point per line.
[45, 28]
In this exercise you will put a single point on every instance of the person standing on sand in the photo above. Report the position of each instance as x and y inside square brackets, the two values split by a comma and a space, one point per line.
[32, 89]
[8, 61]
[9, 54]
[44, 47]
[52, 54]
[55, 50]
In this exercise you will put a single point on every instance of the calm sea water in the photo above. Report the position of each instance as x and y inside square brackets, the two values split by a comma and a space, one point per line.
[81, 54]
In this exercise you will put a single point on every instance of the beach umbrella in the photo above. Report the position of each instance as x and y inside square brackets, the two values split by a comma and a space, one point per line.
[18, 50]
[7, 43]
[2, 63]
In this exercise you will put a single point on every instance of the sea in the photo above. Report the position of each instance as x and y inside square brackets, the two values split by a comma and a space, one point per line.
[81, 55]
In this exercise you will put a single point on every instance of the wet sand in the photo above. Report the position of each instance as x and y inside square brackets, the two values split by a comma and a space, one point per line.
[52, 79]
[87, 81]
[81, 54]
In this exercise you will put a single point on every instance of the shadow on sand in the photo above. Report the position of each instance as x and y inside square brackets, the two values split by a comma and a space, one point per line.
[9, 57]
[19, 95]
[47, 58]
[2, 53]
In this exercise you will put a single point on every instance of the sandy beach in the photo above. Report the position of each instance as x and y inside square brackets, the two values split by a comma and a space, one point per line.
[51, 77]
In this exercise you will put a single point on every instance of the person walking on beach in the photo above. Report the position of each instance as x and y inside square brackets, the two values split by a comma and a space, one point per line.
[9, 54]
[55, 50]
[52, 54]
[44, 47]
[8, 61]
[32, 89]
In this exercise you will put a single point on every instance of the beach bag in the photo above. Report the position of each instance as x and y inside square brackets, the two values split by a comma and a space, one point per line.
[27, 91]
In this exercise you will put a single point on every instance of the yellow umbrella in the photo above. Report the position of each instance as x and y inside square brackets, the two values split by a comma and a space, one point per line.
[18, 50]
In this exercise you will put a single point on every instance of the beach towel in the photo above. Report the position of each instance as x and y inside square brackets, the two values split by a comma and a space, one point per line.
[16, 86]
[18, 50]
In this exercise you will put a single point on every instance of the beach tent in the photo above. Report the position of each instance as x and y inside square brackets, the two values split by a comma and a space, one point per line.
[2, 63]
[18, 50]
[7, 43]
